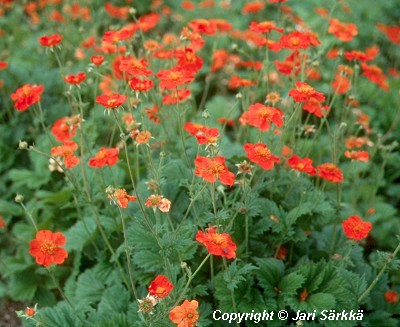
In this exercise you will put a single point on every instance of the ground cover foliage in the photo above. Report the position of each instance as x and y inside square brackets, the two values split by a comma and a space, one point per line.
[160, 160]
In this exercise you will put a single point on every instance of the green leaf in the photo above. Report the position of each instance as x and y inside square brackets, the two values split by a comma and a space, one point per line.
[79, 234]
[234, 275]
[89, 287]
[290, 283]
[115, 299]
[26, 178]
[23, 286]
[59, 316]
[320, 301]
[270, 272]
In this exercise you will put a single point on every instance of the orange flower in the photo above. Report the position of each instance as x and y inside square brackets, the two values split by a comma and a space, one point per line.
[67, 152]
[330, 172]
[207, 135]
[120, 197]
[203, 26]
[375, 75]
[117, 12]
[176, 96]
[105, 156]
[315, 107]
[304, 92]
[298, 40]
[355, 228]
[253, 7]
[160, 287]
[26, 96]
[211, 169]
[264, 27]
[97, 60]
[262, 116]
[344, 32]
[152, 113]
[75, 79]
[188, 60]
[261, 155]
[185, 315]
[111, 101]
[341, 84]
[392, 32]
[139, 85]
[391, 296]
[357, 155]
[149, 21]
[174, 77]
[30, 312]
[64, 128]
[142, 137]
[46, 248]
[158, 201]
[216, 243]
[51, 40]
[302, 165]
[2, 222]
[192, 128]
[236, 81]
[134, 67]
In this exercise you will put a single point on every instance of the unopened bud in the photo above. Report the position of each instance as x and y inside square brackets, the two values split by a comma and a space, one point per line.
[22, 145]
[19, 198]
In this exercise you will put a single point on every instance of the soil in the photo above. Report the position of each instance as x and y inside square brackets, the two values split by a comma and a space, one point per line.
[8, 317]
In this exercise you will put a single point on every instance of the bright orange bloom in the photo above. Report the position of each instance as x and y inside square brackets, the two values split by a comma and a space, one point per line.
[111, 101]
[46, 248]
[391, 296]
[355, 228]
[330, 172]
[392, 32]
[121, 198]
[188, 5]
[142, 137]
[253, 7]
[261, 155]
[152, 113]
[26, 96]
[203, 26]
[104, 157]
[148, 21]
[97, 60]
[304, 92]
[51, 40]
[313, 106]
[174, 77]
[262, 116]
[139, 85]
[357, 142]
[67, 152]
[298, 40]
[216, 243]
[332, 54]
[188, 60]
[176, 97]
[344, 32]
[192, 128]
[158, 201]
[375, 75]
[134, 67]
[302, 165]
[2, 222]
[30, 312]
[236, 81]
[160, 287]
[207, 135]
[357, 155]
[341, 84]
[264, 27]
[117, 12]
[186, 314]
[211, 169]
[75, 79]
[321, 11]
[64, 128]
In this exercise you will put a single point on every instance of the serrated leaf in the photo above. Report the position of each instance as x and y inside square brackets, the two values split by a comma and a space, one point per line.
[270, 272]
[320, 301]
[59, 316]
[23, 286]
[290, 283]
[234, 275]
[79, 234]
[27, 178]
[89, 287]
[115, 299]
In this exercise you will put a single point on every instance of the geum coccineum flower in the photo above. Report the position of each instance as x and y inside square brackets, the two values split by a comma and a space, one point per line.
[120, 197]
[46, 248]
[345, 32]
[304, 92]
[172, 78]
[211, 169]
[139, 85]
[357, 155]
[75, 79]
[355, 228]
[134, 67]
[330, 172]
[65, 128]
[261, 155]
[104, 157]
[375, 75]
[160, 287]
[298, 40]
[111, 101]
[66, 151]
[158, 201]
[302, 165]
[262, 116]
[26, 95]
[176, 96]
[51, 40]
[264, 27]
[186, 314]
[188, 60]
[216, 243]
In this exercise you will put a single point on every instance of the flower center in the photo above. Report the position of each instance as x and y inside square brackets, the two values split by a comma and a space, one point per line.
[219, 240]
[263, 152]
[174, 76]
[265, 113]
[215, 167]
[111, 102]
[48, 248]
[295, 41]
[307, 89]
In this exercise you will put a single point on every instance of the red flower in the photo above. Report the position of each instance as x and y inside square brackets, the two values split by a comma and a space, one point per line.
[207, 135]
[236, 81]
[174, 77]
[134, 67]
[117, 12]
[46, 248]
[160, 287]
[51, 40]
[330, 172]
[211, 169]
[341, 84]
[391, 296]
[264, 27]
[355, 228]
[185, 315]
[111, 101]
[344, 32]
[97, 60]
[203, 26]
[192, 128]
[2, 222]
[357, 155]
[315, 107]
[176, 97]
[303, 92]
[253, 7]
[67, 152]
[26, 96]
[3, 65]
[121, 198]
[298, 40]
[188, 60]
[375, 75]
[139, 85]
[75, 79]
[105, 156]
[392, 32]
[261, 155]
[64, 128]
[152, 113]
[261, 116]
[216, 243]
[302, 165]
